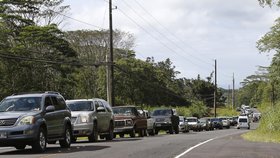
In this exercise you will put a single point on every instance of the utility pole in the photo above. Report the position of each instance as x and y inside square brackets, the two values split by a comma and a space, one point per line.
[233, 94]
[110, 62]
[215, 89]
[228, 101]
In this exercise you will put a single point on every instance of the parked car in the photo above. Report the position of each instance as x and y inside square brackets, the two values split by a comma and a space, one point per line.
[183, 124]
[35, 119]
[194, 124]
[206, 124]
[217, 123]
[129, 121]
[166, 119]
[243, 122]
[151, 128]
[90, 118]
[225, 121]
[235, 119]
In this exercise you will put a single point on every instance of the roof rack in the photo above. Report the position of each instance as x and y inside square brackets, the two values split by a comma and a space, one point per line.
[36, 92]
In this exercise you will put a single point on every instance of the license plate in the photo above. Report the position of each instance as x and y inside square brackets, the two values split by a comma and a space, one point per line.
[3, 135]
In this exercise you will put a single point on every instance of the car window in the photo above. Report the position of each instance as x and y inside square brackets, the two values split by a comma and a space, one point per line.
[48, 101]
[107, 106]
[80, 105]
[101, 105]
[61, 103]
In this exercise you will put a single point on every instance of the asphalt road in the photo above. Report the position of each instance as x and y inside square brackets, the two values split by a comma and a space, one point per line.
[218, 143]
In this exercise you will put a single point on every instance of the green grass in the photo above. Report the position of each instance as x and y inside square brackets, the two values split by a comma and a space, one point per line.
[269, 128]
[226, 111]
[258, 136]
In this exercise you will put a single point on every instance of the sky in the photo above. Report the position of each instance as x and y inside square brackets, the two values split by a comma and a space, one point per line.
[192, 33]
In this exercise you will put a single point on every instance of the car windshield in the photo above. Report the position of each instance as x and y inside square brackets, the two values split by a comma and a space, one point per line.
[192, 120]
[162, 113]
[243, 120]
[80, 105]
[123, 111]
[21, 104]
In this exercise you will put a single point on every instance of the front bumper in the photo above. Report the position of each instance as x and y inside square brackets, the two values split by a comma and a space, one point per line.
[163, 125]
[84, 129]
[11, 136]
[123, 130]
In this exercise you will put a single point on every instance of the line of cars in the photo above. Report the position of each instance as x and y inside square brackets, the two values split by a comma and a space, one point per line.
[42, 118]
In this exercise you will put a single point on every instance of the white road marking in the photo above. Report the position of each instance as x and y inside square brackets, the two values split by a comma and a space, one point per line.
[193, 147]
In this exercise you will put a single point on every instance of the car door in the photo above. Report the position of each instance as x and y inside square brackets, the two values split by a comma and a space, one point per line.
[141, 120]
[58, 116]
[101, 117]
[49, 117]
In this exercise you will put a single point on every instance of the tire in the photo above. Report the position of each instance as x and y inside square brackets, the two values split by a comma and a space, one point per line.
[66, 141]
[176, 128]
[152, 132]
[170, 130]
[156, 132]
[141, 133]
[40, 143]
[132, 133]
[20, 147]
[110, 136]
[94, 135]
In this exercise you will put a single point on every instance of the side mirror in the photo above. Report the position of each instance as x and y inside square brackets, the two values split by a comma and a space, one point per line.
[50, 108]
[100, 109]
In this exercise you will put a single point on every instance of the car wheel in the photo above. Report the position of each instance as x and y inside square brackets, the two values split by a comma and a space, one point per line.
[94, 135]
[156, 132]
[141, 133]
[176, 128]
[110, 136]
[170, 130]
[20, 146]
[66, 142]
[40, 143]
[132, 133]
[153, 132]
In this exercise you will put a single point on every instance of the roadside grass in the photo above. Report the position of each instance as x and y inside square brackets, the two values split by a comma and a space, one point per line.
[269, 127]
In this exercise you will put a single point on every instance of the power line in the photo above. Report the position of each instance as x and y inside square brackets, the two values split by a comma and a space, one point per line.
[157, 38]
[80, 21]
[200, 59]
[25, 58]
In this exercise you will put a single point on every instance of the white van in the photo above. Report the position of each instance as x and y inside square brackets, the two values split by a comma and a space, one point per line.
[243, 122]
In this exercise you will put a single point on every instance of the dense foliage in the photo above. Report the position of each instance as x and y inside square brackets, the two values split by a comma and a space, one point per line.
[35, 55]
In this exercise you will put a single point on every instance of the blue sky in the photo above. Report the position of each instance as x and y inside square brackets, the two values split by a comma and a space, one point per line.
[192, 33]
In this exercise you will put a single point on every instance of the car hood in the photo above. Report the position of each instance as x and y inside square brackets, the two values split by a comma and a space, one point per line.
[77, 113]
[16, 114]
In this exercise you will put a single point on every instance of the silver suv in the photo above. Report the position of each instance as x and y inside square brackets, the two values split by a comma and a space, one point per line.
[35, 119]
[90, 118]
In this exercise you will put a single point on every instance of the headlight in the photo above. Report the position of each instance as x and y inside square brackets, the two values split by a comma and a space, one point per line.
[84, 119]
[27, 120]
[129, 122]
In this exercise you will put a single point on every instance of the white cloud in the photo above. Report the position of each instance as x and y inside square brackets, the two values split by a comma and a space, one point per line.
[216, 29]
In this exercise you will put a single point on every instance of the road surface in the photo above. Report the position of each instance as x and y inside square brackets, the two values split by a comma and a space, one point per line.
[218, 143]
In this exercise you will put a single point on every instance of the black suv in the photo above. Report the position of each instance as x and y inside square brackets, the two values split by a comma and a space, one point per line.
[35, 119]
[166, 119]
